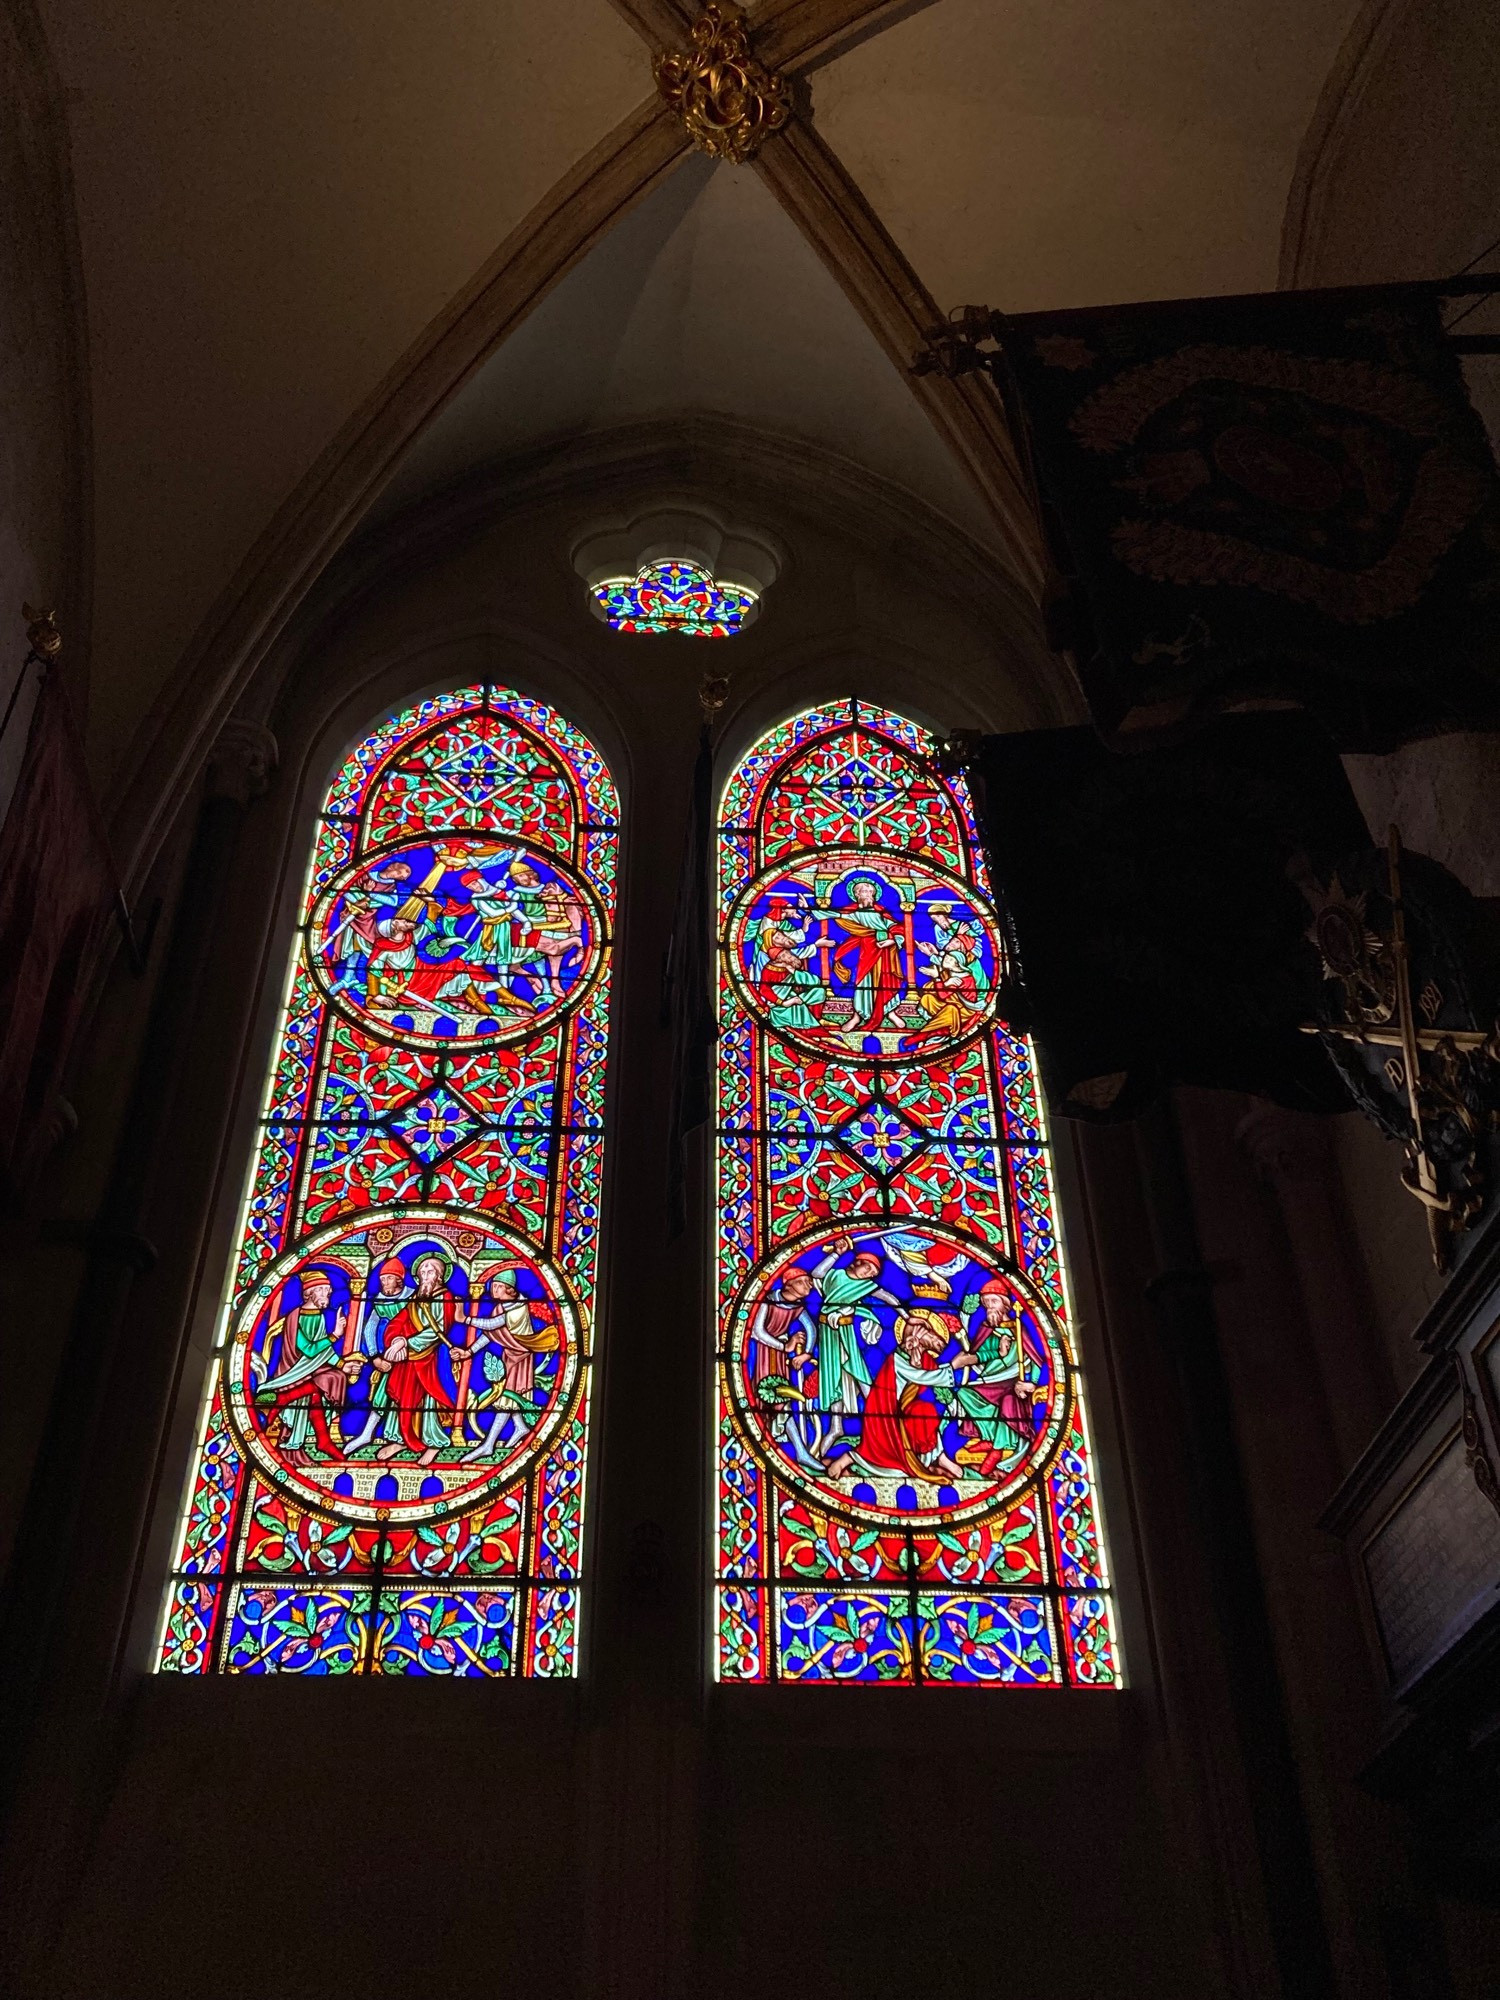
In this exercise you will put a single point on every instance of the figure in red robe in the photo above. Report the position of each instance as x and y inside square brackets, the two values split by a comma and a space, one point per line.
[781, 1327]
[414, 1341]
[870, 957]
[903, 1416]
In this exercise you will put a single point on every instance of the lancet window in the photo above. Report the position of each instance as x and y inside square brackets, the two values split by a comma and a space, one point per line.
[904, 1489]
[391, 1463]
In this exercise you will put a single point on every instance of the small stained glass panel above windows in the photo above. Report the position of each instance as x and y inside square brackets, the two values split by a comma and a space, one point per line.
[674, 595]
[904, 1486]
[390, 1469]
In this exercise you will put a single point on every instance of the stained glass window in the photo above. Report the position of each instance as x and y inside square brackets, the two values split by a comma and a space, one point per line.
[390, 1469]
[675, 596]
[904, 1489]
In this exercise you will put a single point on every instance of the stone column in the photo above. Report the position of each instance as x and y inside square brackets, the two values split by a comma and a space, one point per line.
[1292, 1153]
[1269, 1230]
[643, 1744]
[1182, 1296]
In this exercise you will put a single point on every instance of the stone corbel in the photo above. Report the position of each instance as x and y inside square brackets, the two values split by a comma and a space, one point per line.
[242, 762]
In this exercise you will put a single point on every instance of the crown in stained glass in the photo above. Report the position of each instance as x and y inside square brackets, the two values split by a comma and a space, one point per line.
[674, 595]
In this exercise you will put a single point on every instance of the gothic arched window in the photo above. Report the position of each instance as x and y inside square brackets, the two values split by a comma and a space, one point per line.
[904, 1491]
[389, 1476]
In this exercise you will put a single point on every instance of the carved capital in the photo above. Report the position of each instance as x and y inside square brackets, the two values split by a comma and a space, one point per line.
[727, 100]
[241, 762]
[1283, 1146]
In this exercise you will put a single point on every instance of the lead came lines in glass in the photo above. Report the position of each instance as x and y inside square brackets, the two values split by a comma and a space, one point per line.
[904, 1484]
[391, 1468]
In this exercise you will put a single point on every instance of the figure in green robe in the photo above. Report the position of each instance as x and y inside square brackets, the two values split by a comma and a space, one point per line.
[844, 1322]
[313, 1376]
[788, 987]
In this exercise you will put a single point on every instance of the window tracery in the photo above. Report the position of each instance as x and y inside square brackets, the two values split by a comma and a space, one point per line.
[675, 595]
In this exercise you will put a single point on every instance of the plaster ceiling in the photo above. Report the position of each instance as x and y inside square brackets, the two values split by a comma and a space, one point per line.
[1048, 153]
[705, 298]
[275, 200]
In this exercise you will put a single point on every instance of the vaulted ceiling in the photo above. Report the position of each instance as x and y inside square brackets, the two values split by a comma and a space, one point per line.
[704, 298]
[277, 202]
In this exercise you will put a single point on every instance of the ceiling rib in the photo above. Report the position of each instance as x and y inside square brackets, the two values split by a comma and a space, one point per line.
[812, 186]
[326, 505]
[810, 182]
[815, 189]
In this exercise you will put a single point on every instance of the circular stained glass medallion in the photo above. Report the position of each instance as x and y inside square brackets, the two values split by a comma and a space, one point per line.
[898, 1372]
[402, 1364]
[456, 940]
[859, 952]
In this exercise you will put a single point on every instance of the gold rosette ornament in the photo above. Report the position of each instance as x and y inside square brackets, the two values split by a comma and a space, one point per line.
[726, 100]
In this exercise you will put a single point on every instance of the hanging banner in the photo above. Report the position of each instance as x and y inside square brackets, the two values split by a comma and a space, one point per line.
[1280, 498]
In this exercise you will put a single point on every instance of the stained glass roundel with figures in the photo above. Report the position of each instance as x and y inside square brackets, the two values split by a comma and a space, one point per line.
[852, 953]
[457, 940]
[905, 1490]
[898, 1376]
[390, 1468]
[401, 1365]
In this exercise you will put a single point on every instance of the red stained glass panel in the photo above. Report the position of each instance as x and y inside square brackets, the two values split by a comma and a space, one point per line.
[390, 1476]
[904, 1491]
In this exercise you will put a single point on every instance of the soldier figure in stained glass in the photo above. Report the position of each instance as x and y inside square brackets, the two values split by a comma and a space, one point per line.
[378, 895]
[782, 1325]
[492, 941]
[554, 923]
[391, 948]
[995, 1401]
[411, 1361]
[370, 1340]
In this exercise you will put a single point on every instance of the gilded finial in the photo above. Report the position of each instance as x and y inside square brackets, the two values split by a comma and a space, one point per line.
[42, 634]
[726, 99]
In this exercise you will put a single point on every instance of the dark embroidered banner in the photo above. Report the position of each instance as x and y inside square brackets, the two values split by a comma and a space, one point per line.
[1284, 497]
[1158, 908]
